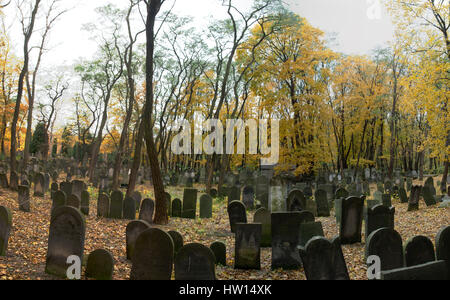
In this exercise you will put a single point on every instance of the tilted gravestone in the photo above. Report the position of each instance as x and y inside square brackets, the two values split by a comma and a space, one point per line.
[190, 204]
[323, 209]
[103, 206]
[247, 246]
[387, 244]
[263, 216]
[24, 198]
[129, 208]
[133, 230]
[195, 262]
[5, 229]
[85, 200]
[206, 204]
[178, 241]
[430, 271]
[324, 260]
[248, 197]
[443, 247]
[378, 217]
[236, 214]
[285, 240]
[220, 252]
[419, 250]
[100, 265]
[116, 205]
[296, 201]
[351, 220]
[147, 210]
[153, 256]
[66, 238]
[73, 201]
[414, 197]
[177, 208]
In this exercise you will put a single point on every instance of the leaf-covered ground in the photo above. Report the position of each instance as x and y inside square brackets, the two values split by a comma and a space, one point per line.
[27, 247]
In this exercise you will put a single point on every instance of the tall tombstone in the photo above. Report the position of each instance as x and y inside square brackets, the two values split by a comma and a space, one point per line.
[414, 197]
[195, 262]
[190, 204]
[153, 256]
[73, 201]
[285, 240]
[116, 206]
[248, 196]
[66, 238]
[324, 260]
[378, 217]
[147, 210]
[177, 208]
[351, 220]
[428, 195]
[129, 208]
[220, 252]
[133, 230]
[103, 206]
[419, 250]
[100, 265]
[262, 191]
[263, 216]
[387, 244]
[248, 246]
[39, 185]
[276, 200]
[85, 200]
[236, 214]
[296, 201]
[443, 247]
[323, 209]
[178, 241]
[5, 229]
[206, 204]
[24, 198]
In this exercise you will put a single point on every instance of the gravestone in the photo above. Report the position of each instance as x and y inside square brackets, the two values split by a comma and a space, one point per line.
[378, 217]
[443, 247]
[419, 250]
[324, 260]
[59, 200]
[351, 220]
[262, 191]
[103, 206]
[137, 198]
[176, 208]
[77, 188]
[73, 201]
[309, 230]
[129, 208]
[403, 196]
[234, 194]
[414, 197]
[24, 198]
[296, 201]
[116, 205]
[341, 193]
[195, 262]
[387, 244]
[263, 216]
[189, 204]
[153, 256]
[220, 252]
[276, 199]
[323, 209]
[387, 200]
[5, 229]
[66, 238]
[285, 240]
[39, 185]
[54, 188]
[248, 197]
[85, 200]
[133, 230]
[236, 214]
[431, 271]
[66, 187]
[178, 242]
[147, 210]
[100, 265]
[428, 196]
[247, 247]
[206, 204]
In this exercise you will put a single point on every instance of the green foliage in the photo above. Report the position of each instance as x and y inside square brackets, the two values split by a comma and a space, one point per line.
[39, 139]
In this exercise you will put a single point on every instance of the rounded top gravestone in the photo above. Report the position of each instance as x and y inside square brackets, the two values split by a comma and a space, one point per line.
[100, 265]
[195, 262]
[177, 239]
[296, 201]
[132, 232]
[387, 244]
[419, 250]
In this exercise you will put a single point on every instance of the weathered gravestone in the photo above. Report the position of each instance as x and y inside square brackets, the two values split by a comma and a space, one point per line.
[276, 199]
[351, 220]
[103, 206]
[443, 247]
[323, 209]
[137, 198]
[189, 204]
[195, 262]
[220, 252]
[296, 201]
[129, 208]
[263, 216]
[153, 256]
[100, 265]
[309, 230]
[206, 204]
[147, 210]
[285, 240]
[414, 197]
[378, 217]
[430, 271]
[73, 201]
[403, 196]
[5, 229]
[176, 208]
[419, 250]
[85, 200]
[66, 187]
[248, 197]
[133, 230]
[428, 196]
[247, 247]
[387, 244]
[59, 200]
[116, 206]
[77, 188]
[24, 198]
[323, 260]
[262, 191]
[236, 214]
[66, 238]
[39, 185]
[178, 241]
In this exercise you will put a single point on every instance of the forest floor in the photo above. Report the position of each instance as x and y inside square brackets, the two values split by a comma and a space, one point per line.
[27, 248]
